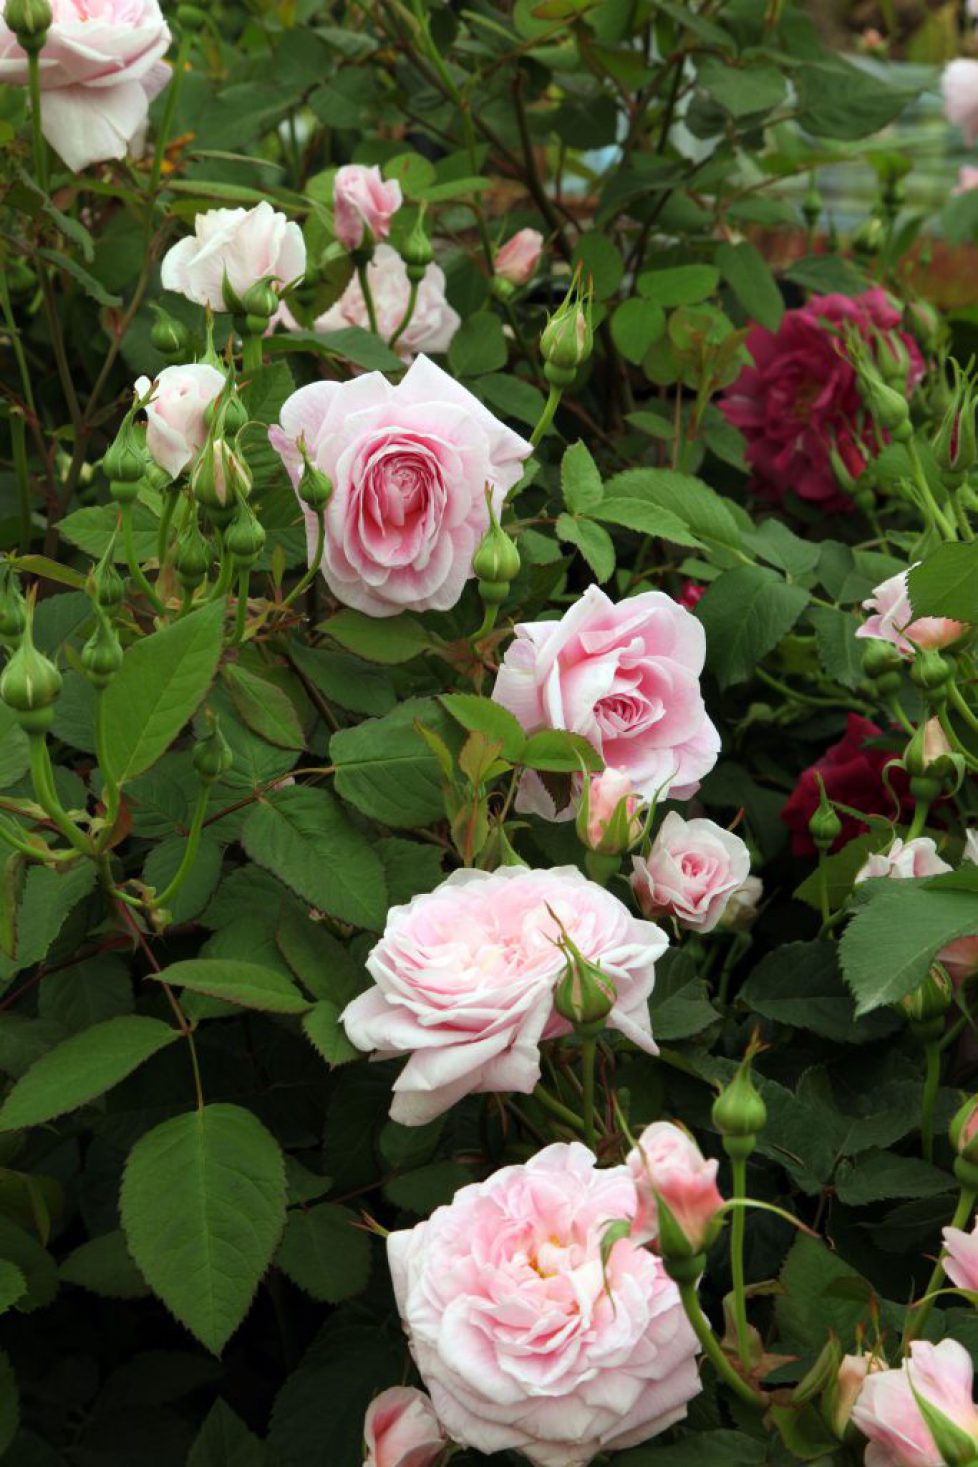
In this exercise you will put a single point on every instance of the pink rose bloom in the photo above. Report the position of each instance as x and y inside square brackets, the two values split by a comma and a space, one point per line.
[692, 870]
[888, 1415]
[892, 619]
[800, 396]
[961, 1262]
[960, 958]
[175, 427]
[247, 245]
[967, 179]
[401, 1429]
[519, 257]
[904, 860]
[959, 84]
[521, 1341]
[363, 201]
[610, 803]
[624, 676]
[409, 466]
[844, 1392]
[668, 1163]
[101, 66]
[464, 979]
[432, 325]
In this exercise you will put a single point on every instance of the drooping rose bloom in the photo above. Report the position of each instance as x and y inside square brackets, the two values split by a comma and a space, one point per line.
[667, 1162]
[800, 396]
[852, 770]
[892, 619]
[246, 245]
[521, 1341]
[692, 870]
[433, 322]
[904, 860]
[362, 200]
[401, 1429]
[888, 1415]
[409, 466]
[959, 83]
[612, 812]
[464, 980]
[519, 257]
[961, 1262]
[101, 66]
[175, 427]
[625, 676]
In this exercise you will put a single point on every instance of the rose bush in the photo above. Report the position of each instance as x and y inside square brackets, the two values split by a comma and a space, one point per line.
[488, 736]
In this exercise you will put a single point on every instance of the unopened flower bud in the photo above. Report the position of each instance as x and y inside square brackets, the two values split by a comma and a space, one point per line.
[107, 586]
[260, 300]
[924, 324]
[101, 656]
[881, 665]
[894, 359]
[608, 816]
[820, 1375]
[811, 205]
[496, 559]
[824, 827]
[928, 1003]
[13, 608]
[126, 457]
[170, 336]
[887, 407]
[245, 537]
[567, 339]
[869, 237]
[584, 996]
[227, 414]
[843, 1392]
[30, 684]
[963, 1131]
[932, 672]
[416, 251]
[30, 21]
[739, 1112]
[220, 476]
[213, 755]
[193, 557]
[315, 487]
[955, 448]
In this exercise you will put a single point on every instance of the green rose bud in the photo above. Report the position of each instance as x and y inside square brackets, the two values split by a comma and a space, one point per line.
[30, 21]
[315, 487]
[13, 607]
[170, 336]
[213, 755]
[496, 559]
[245, 537]
[824, 827]
[101, 656]
[126, 457]
[108, 588]
[584, 996]
[416, 251]
[30, 684]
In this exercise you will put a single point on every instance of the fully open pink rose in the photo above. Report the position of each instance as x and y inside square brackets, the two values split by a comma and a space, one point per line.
[888, 1415]
[246, 245]
[690, 873]
[409, 466]
[433, 322]
[175, 427]
[904, 860]
[519, 257]
[892, 619]
[101, 66]
[668, 1163]
[625, 676]
[464, 979]
[401, 1429]
[800, 396]
[961, 1262]
[362, 200]
[959, 84]
[523, 1340]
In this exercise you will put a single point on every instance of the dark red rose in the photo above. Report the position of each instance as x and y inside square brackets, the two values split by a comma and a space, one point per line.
[800, 396]
[691, 593]
[852, 771]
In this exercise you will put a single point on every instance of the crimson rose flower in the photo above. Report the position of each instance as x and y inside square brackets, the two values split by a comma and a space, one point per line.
[800, 397]
[852, 771]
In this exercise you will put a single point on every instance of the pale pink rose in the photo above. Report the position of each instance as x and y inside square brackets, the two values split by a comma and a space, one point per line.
[610, 803]
[524, 1342]
[893, 619]
[960, 958]
[904, 860]
[668, 1163]
[961, 1262]
[967, 179]
[519, 257]
[464, 981]
[888, 1415]
[692, 870]
[101, 66]
[247, 245]
[175, 427]
[409, 466]
[432, 325]
[742, 904]
[625, 676]
[844, 1391]
[959, 84]
[362, 200]
[936, 742]
[401, 1429]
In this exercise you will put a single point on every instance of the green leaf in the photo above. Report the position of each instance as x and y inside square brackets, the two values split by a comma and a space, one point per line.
[837, 100]
[345, 680]
[601, 260]
[358, 346]
[391, 639]
[103, 1266]
[191, 898]
[800, 984]
[741, 90]
[427, 1187]
[88, 283]
[592, 540]
[776, 544]
[264, 707]
[646, 519]
[162, 680]
[698, 1449]
[946, 584]
[411, 867]
[322, 1027]
[325, 1252]
[680, 1003]
[889, 945]
[839, 650]
[13, 1285]
[35, 1263]
[879, 1176]
[635, 327]
[478, 346]
[249, 984]
[203, 1207]
[679, 285]
[807, 1308]
[304, 837]
[695, 504]
[482, 715]
[14, 749]
[225, 1441]
[745, 612]
[580, 479]
[385, 768]
[82, 1068]
[749, 276]
[555, 751]
[47, 899]
[86, 993]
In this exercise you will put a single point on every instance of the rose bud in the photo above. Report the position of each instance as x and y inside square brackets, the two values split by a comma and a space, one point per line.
[30, 685]
[517, 260]
[961, 1261]
[668, 1166]
[401, 1429]
[608, 818]
[363, 205]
